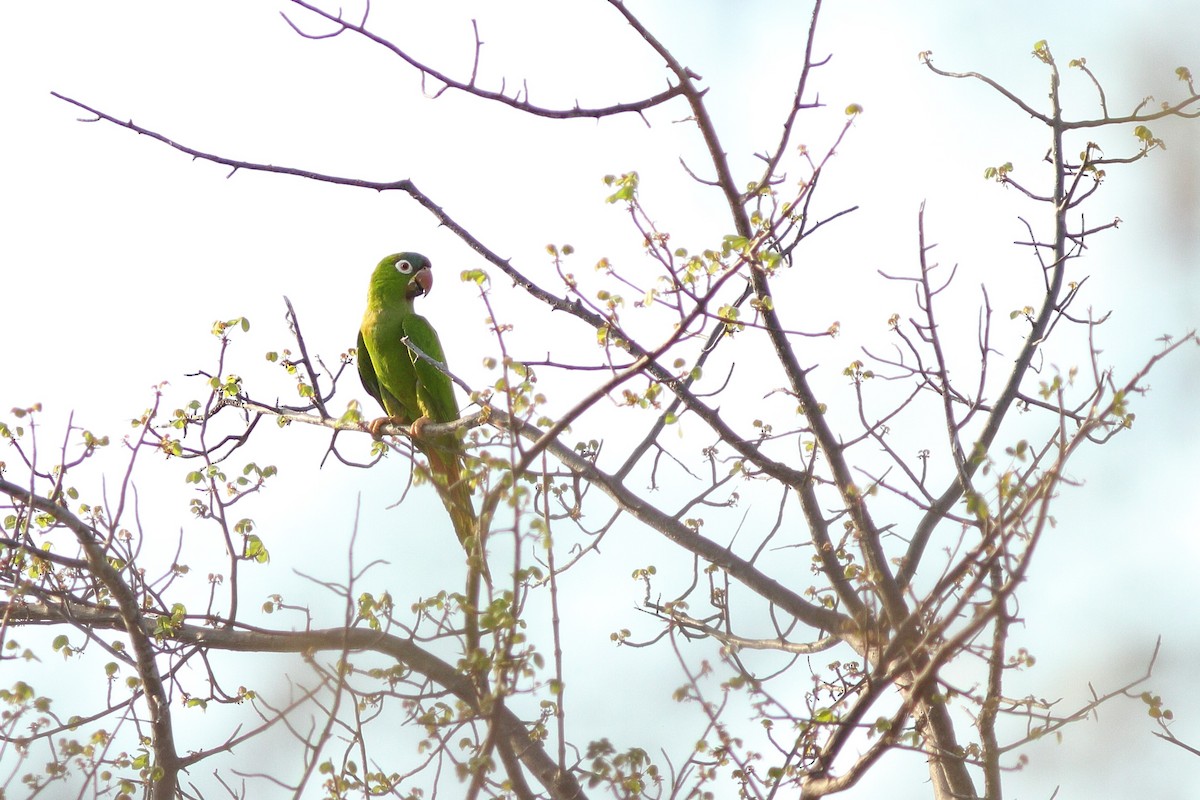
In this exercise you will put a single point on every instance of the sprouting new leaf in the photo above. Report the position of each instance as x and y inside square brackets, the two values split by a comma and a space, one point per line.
[732, 242]
[255, 550]
[626, 187]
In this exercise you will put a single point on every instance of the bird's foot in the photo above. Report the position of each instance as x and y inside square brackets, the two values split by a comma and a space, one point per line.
[375, 425]
[415, 429]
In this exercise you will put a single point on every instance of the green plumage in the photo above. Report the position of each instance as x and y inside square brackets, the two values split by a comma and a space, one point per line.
[410, 389]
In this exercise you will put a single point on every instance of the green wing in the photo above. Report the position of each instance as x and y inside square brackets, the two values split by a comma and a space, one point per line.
[435, 396]
[386, 366]
[435, 393]
[366, 370]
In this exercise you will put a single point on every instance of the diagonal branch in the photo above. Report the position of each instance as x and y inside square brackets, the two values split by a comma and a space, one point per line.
[819, 617]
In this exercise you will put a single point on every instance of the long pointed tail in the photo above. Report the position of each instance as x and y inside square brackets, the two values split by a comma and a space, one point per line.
[446, 466]
[445, 462]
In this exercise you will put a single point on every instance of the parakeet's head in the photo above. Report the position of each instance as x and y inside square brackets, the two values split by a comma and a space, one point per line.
[402, 275]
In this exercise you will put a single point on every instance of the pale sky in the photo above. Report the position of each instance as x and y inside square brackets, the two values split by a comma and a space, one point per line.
[117, 253]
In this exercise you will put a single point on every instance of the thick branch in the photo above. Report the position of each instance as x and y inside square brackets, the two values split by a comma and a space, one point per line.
[128, 617]
[257, 640]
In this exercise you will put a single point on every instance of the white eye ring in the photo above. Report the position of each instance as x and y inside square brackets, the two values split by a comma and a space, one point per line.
[404, 268]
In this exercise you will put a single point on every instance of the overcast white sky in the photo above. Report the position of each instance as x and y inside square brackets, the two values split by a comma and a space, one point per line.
[117, 253]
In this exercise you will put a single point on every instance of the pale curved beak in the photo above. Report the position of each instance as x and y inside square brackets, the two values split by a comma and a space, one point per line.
[421, 283]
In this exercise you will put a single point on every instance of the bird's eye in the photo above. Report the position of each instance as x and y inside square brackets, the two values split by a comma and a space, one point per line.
[404, 268]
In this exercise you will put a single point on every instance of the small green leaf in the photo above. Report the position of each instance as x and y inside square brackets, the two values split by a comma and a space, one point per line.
[256, 551]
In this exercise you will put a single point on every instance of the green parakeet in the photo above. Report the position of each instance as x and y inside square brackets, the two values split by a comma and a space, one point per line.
[413, 391]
